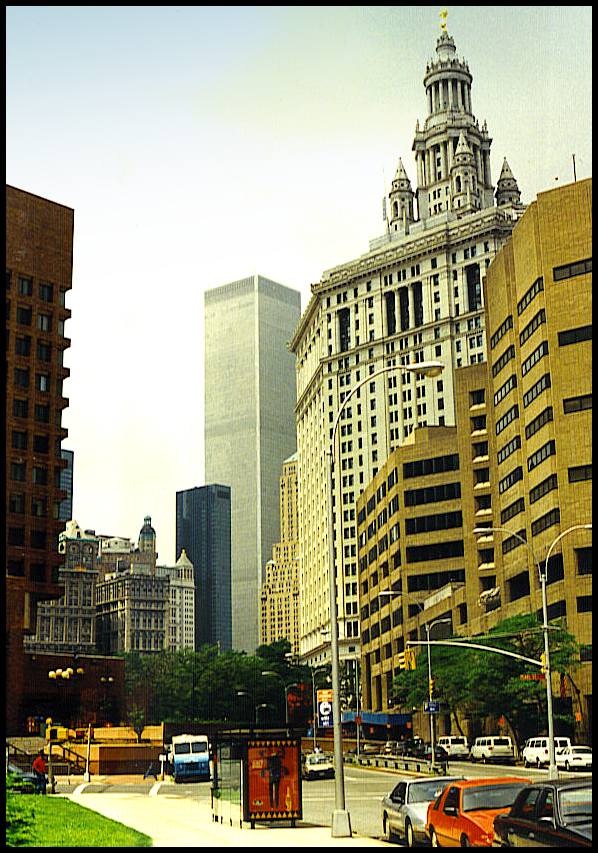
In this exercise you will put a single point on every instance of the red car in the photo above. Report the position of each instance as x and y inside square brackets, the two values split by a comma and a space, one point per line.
[463, 815]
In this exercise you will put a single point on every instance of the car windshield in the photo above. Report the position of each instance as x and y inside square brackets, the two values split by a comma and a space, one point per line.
[484, 797]
[318, 759]
[458, 740]
[581, 750]
[425, 792]
[200, 746]
[502, 741]
[182, 748]
[576, 805]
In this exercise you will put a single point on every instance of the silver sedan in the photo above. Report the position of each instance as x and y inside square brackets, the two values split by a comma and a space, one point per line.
[404, 810]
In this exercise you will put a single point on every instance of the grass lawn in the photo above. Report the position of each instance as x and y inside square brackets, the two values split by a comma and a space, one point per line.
[58, 822]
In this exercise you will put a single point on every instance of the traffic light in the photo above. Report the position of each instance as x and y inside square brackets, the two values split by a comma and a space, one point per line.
[543, 659]
[410, 653]
[402, 660]
[431, 688]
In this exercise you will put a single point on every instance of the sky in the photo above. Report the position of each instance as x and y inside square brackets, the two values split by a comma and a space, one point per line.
[200, 144]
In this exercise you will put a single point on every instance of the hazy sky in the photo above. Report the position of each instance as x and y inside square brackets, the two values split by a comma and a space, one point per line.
[198, 144]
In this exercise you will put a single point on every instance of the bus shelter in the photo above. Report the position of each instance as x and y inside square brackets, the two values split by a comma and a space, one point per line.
[257, 776]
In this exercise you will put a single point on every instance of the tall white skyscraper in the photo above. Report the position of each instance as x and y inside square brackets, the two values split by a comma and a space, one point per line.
[250, 427]
[415, 296]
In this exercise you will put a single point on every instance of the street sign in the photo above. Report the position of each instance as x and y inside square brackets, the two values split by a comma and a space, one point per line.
[431, 707]
[324, 709]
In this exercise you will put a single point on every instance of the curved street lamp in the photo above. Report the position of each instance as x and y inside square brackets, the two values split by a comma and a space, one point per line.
[341, 821]
[552, 768]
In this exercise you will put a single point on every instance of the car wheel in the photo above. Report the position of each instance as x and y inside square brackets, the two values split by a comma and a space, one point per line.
[465, 842]
[434, 838]
[526, 763]
[409, 837]
[567, 766]
[388, 832]
[538, 764]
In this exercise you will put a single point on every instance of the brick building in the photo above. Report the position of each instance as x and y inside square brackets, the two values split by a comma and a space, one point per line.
[39, 260]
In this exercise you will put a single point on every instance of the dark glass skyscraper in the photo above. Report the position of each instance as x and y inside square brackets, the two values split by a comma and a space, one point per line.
[203, 530]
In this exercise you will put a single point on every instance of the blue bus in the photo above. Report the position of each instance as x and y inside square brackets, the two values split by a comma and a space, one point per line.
[190, 757]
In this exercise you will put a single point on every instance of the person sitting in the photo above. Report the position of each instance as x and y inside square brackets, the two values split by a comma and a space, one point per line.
[39, 768]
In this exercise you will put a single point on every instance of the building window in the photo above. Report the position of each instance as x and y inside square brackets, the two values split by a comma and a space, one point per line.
[579, 473]
[577, 404]
[571, 270]
[25, 286]
[543, 488]
[541, 385]
[528, 297]
[538, 422]
[551, 518]
[548, 449]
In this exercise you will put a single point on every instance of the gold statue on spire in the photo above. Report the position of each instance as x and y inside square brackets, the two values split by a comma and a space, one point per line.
[443, 17]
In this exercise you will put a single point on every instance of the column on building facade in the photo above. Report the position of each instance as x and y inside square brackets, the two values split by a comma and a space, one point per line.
[411, 299]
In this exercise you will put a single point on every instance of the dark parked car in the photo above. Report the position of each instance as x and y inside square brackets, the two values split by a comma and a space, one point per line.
[424, 750]
[554, 813]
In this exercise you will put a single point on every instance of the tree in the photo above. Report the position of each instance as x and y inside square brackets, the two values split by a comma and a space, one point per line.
[483, 684]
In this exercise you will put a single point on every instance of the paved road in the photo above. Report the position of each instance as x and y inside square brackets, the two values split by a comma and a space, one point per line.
[364, 790]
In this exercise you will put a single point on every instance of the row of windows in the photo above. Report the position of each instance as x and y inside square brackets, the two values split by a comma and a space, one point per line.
[428, 523]
[575, 336]
[433, 494]
[538, 422]
[25, 287]
[434, 551]
[536, 287]
[512, 510]
[436, 465]
[509, 448]
[534, 357]
[577, 404]
[548, 520]
[39, 474]
[505, 358]
[571, 270]
[505, 388]
[531, 327]
[548, 449]
[501, 331]
[507, 418]
[541, 385]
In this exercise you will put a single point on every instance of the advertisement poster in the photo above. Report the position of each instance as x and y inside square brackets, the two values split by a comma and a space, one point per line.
[273, 780]
[325, 709]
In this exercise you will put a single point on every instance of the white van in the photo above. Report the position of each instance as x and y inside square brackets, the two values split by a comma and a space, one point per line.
[493, 748]
[456, 747]
[535, 750]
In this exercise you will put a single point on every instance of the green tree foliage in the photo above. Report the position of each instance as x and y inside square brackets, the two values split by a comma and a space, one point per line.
[207, 685]
[481, 684]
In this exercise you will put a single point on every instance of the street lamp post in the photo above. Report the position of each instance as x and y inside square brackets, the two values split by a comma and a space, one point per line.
[428, 627]
[341, 821]
[270, 672]
[552, 768]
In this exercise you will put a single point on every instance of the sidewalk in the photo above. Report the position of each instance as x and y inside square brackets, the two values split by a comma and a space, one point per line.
[174, 821]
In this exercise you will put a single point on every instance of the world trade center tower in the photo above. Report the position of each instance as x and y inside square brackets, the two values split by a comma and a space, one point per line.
[250, 396]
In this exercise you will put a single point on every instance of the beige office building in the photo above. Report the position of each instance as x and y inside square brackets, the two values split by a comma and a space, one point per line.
[519, 458]
[279, 600]
[415, 295]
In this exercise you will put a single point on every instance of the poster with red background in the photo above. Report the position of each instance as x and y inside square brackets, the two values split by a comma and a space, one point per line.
[273, 779]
